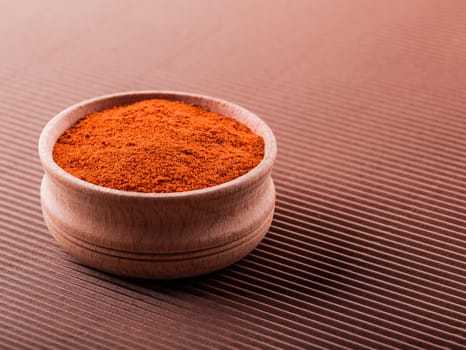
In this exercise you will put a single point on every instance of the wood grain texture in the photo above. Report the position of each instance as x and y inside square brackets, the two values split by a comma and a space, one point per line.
[155, 235]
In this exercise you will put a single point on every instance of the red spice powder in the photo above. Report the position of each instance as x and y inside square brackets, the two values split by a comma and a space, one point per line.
[158, 146]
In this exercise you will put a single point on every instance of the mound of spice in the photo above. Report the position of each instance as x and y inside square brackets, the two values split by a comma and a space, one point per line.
[158, 146]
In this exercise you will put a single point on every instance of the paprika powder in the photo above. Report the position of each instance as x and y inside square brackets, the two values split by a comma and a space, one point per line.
[158, 146]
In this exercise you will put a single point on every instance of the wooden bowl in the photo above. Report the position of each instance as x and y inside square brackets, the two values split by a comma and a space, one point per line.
[157, 235]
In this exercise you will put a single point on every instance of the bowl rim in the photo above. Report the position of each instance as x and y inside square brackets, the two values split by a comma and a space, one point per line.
[55, 171]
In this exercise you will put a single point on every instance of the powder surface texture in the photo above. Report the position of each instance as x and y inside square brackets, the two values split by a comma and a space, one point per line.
[158, 146]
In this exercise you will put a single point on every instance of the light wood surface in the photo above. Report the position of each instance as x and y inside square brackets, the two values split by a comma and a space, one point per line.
[152, 235]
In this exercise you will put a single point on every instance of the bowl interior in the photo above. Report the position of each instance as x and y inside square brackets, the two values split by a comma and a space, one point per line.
[67, 118]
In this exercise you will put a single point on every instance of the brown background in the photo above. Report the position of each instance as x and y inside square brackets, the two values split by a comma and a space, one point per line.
[367, 100]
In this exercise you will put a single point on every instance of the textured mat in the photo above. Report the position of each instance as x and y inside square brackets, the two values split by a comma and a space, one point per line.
[368, 103]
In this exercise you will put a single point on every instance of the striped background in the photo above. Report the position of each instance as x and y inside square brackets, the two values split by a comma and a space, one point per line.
[368, 103]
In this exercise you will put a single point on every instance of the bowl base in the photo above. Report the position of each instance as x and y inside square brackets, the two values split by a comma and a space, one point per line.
[157, 266]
